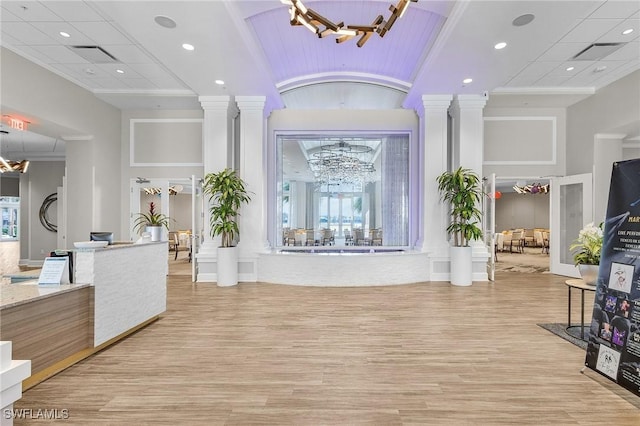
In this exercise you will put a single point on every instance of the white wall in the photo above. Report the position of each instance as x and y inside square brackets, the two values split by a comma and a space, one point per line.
[42, 179]
[519, 142]
[630, 153]
[93, 162]
[613, 111]
[10, 185]
[522, 211]
[160, 134]
[610, 110]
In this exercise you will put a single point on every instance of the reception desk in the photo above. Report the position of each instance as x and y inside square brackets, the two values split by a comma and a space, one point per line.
[129, 283]
[117, 290]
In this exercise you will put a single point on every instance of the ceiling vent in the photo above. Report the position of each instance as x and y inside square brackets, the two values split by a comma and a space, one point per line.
[95, 54]
[597, 51]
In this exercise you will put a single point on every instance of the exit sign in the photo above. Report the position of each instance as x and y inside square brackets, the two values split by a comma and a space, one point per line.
[17, 124]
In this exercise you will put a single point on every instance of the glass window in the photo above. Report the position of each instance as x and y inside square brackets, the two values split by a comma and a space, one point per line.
[9, 218]
[353, 188]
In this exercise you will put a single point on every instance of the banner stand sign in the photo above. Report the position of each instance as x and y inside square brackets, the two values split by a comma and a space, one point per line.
[614, 336]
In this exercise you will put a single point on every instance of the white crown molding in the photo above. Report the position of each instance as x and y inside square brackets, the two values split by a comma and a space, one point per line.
[343, 76]
[543, 91]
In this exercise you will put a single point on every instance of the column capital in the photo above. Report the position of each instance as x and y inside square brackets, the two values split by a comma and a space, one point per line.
[470, 101]
[436, 101]
[215, 102]
[251, 102]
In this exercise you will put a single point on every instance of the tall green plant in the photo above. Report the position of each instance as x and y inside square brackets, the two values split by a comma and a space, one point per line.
[461, 189]
[227, 192]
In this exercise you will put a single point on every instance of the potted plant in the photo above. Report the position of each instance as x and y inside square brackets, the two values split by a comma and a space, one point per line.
[586, 252]
[462, 191]
[151, 222]
[227, 192]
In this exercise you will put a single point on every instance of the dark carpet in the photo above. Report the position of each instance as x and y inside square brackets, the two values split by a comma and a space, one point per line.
[572, 335]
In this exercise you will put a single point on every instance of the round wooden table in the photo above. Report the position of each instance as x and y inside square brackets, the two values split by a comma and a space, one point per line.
[582, 286]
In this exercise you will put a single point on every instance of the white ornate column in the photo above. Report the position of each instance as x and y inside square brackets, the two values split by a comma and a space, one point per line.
[434, 158]
[252, 169]
[468, 147]
[217, 153]
[469, 134]
[607, 149]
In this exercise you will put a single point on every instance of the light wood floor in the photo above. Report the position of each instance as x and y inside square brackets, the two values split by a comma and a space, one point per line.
[415, 354]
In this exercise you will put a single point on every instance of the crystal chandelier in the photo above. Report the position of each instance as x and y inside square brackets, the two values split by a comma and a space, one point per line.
[342, 163]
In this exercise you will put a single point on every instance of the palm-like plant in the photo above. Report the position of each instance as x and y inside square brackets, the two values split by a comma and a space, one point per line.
[227, 192]
[151, 218]
[461, 189]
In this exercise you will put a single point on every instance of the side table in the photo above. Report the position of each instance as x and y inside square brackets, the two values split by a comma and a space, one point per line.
[582, 286]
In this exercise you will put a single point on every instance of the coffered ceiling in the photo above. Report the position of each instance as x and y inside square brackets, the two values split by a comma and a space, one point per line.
[252, 48]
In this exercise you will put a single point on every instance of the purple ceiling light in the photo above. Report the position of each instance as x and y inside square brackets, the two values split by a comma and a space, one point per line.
[312, 20]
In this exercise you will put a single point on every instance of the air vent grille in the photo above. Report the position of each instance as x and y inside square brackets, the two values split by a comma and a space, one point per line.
[94, 54]
[597, 51]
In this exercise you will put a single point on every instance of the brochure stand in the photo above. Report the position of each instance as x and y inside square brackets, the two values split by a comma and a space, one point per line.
[55, 271]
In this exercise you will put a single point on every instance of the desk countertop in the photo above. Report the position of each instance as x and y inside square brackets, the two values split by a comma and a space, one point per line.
[29, 291]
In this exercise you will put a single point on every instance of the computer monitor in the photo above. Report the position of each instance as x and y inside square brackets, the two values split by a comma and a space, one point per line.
[102, 236]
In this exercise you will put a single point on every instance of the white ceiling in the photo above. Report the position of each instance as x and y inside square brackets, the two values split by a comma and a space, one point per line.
[251, 46]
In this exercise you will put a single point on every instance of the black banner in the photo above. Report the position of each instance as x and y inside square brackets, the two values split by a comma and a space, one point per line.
[614, 336]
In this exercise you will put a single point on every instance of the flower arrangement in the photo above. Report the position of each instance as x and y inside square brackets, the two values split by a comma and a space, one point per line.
[588, 246]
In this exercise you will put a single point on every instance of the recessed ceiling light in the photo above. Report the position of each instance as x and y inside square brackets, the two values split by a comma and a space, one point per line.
[187, 46]
[165, 21]
[467, 80]
[220, 82]
[600, 68]
[63, 34]
[571, 68]
[89, 71]
[120, 71]
[523, 20]
[500, 45]
[627, 31]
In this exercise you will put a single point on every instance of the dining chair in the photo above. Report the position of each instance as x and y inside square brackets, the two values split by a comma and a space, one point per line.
[174, 242]
[545, 244]
[517, 241]
[376, 237]
[348, 238]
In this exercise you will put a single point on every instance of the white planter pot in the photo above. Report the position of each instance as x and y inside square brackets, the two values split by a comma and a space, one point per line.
[589, 273]
[461, 266]
[155, 231]
[227, 266]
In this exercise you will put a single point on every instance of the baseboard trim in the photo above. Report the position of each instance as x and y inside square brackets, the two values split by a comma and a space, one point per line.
[63, 364]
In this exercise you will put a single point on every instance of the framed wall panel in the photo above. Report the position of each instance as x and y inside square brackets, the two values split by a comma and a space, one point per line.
[520, 140]
[165, 142]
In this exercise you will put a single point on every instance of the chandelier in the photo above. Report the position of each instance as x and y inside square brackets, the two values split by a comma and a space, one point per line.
[342, 163]
[13, 166]
[535, 188]
[173, 190]
[313, 21]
